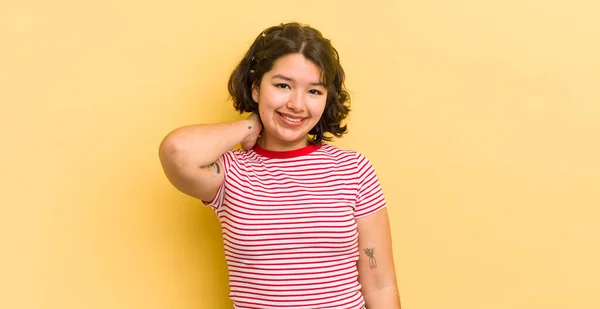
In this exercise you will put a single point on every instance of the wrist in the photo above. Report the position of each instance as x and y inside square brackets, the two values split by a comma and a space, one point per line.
[247, 126]
[252, 125]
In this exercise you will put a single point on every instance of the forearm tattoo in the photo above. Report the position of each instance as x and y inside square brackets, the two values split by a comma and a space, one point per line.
[370, 252]
[215, 169]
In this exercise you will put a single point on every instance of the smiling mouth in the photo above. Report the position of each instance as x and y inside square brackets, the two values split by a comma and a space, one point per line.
[290, 119]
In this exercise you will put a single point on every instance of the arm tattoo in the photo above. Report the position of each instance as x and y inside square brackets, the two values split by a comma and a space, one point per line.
[214, 169]
[370, 252]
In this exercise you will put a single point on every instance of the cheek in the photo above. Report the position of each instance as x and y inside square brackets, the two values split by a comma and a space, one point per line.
[269, 99]
[318, 108]
[266, 109]
[262, 112]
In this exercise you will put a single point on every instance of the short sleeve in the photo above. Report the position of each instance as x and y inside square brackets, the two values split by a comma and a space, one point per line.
[370, 196]
[227, 159]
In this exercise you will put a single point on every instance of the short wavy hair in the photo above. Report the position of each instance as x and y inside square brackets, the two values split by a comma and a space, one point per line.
[277, 41]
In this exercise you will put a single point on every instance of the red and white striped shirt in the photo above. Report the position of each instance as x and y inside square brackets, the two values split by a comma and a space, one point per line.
[289, 225]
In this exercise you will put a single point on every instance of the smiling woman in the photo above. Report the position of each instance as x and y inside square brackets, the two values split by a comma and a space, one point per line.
[294, 55]
[296, 212]
[292, 100]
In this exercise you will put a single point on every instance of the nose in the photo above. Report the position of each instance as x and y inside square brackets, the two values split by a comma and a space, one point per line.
[296, 101]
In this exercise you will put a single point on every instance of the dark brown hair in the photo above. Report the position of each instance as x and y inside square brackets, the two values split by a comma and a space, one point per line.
[289, 38]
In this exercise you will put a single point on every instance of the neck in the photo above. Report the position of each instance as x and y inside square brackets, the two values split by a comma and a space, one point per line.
[267, 144]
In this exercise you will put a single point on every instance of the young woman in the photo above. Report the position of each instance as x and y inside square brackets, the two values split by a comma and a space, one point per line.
[304, 223]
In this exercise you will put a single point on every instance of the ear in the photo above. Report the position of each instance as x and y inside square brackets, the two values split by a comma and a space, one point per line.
[255, 92]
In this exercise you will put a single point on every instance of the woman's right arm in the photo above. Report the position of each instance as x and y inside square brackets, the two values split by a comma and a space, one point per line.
[190, 155]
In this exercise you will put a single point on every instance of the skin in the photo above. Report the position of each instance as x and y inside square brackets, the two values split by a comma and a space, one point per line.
[292, 88]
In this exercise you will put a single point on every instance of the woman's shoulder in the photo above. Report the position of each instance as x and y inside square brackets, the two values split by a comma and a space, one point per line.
[339, 152]
[242, 154]
[346, 154]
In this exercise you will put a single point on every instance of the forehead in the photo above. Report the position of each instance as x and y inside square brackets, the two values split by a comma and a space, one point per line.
[296, 66]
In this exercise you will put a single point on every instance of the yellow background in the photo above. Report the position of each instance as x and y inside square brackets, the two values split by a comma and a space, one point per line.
[482, 119]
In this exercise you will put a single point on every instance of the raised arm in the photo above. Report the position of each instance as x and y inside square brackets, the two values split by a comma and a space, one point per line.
[189, 155]
[376, 272]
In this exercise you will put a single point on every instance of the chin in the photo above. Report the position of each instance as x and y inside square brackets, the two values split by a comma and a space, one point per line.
[293, 140]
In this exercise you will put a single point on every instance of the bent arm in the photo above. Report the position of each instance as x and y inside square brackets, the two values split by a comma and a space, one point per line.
[189, 155]
[376, 271]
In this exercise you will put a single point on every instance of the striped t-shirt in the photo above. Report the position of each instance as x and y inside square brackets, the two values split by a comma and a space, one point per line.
[289, 228]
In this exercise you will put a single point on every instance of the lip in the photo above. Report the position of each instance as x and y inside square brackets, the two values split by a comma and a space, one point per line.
[290, 123]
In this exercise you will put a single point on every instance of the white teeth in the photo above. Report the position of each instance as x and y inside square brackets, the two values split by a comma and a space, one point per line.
[290, 119]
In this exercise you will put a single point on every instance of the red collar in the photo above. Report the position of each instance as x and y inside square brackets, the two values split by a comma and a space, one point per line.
[286, 154]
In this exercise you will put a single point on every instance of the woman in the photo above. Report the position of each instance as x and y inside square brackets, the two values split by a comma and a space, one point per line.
[304, 223]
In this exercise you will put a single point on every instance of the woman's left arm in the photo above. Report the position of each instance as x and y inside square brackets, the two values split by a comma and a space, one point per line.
[376, 271]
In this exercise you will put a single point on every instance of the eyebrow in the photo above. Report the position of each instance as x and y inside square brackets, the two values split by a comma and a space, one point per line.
[289, 79]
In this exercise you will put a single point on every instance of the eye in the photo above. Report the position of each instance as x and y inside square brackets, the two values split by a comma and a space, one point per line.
[282, 86]
[315, 92]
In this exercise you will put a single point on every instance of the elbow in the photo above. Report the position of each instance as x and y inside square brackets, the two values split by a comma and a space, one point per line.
[172, 151]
